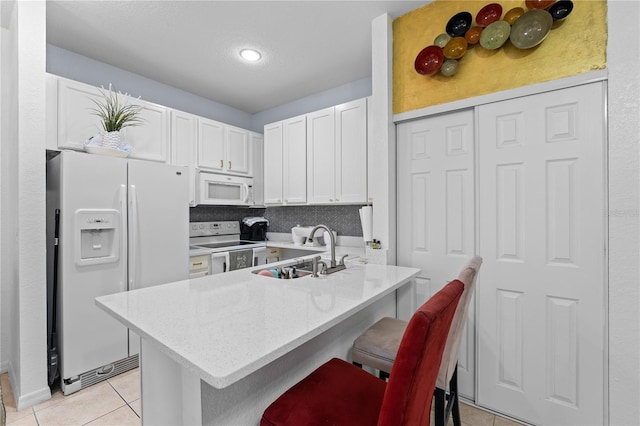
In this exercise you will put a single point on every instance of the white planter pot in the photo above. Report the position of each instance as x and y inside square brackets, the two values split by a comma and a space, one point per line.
[111, 140]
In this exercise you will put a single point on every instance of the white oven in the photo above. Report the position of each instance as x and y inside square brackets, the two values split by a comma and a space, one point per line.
[222, 190]
[220, 241]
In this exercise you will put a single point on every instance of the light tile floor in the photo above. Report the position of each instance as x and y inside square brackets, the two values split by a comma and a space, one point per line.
[116, 401]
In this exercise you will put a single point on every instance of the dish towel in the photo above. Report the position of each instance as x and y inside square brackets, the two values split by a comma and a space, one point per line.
[250, 221]
[240, 259]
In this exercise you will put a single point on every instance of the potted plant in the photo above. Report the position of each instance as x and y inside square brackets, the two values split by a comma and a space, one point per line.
[115, 116]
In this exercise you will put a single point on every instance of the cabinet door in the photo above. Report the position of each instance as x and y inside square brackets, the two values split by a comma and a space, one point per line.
[150, 139]
[294, 160]
[211, 141]
[237, 151]
[436, 214]
[321, 156]
[542, 287]
[76, 123]
[184, 144]
[273, 164]
[257, 157]
[351, 152]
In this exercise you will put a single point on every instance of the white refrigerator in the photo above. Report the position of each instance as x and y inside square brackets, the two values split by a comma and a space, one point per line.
[123, 225]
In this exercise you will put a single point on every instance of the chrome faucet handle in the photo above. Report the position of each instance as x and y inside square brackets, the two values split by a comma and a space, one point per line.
[342, 259]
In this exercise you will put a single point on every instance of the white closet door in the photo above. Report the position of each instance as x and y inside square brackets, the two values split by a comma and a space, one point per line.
[542, 287]
[436, 212]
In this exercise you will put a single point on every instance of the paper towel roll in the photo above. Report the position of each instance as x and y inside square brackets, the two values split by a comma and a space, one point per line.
[366, 219]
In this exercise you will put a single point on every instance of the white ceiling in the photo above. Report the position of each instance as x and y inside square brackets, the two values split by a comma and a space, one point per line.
[307, 46]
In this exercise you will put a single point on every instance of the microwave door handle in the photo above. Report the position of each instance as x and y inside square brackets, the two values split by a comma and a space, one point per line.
[246, 192]
[123, 240]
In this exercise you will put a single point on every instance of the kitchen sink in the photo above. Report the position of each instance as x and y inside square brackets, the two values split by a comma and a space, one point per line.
[283, 272]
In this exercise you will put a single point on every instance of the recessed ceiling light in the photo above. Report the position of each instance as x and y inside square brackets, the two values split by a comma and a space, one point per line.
[250, 55]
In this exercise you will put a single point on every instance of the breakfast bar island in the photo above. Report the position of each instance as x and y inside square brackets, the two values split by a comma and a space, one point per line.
[219, 349]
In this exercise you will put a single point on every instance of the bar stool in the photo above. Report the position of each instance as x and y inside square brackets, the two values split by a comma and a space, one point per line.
[339, 393]
[378, 345]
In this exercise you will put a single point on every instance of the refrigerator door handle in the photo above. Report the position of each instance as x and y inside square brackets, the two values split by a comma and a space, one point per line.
[123, 228]
[132, 235]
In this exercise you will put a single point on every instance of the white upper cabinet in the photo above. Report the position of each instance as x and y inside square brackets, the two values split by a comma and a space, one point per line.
[76, 122]
[318, 158]
[273, 194]
[321, 155]
[223, 148]
[149, 140]
[238, 150]
[285, 162]
[256, 140]
[293, 161]
[337, 154]
[211, 141]
[184, 139]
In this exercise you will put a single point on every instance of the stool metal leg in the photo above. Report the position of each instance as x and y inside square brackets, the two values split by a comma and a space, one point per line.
[439, 409]
[453, 390]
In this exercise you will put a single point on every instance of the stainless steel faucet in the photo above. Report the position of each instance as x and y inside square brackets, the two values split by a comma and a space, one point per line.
[334, 266]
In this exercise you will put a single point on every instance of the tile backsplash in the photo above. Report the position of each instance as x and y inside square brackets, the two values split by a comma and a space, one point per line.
[345, 220]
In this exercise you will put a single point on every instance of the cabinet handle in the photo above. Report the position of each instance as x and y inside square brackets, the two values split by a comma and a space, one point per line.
[331, 200]
[221, 163]
[229, 165]
[337, 199]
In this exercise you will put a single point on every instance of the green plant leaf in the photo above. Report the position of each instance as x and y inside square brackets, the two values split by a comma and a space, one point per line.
[114, 115]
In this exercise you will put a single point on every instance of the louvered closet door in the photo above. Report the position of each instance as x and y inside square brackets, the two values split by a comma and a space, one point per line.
[542, 289]
[436, 212]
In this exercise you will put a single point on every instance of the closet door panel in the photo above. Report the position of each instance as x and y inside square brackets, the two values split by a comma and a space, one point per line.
[436, 210]
[541, 292]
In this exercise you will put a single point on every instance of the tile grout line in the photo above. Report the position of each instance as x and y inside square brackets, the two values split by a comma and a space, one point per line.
[125, 401]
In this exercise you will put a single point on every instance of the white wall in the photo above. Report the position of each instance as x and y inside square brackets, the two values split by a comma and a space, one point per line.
[8, 181]
[382, 143]
[623, 62]
[23, 195]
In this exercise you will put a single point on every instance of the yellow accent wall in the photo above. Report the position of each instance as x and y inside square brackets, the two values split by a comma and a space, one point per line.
[574, 46]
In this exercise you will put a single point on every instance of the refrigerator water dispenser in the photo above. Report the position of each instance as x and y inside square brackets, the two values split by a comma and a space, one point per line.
[98, 236]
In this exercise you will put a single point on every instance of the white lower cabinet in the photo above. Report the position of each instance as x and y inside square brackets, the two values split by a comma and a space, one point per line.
[534, 209]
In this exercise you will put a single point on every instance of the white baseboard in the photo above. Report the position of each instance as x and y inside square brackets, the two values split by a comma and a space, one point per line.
[33, 398]
[4, 367]
[27, 400]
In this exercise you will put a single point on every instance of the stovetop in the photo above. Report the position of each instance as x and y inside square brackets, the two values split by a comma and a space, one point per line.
[219, 237]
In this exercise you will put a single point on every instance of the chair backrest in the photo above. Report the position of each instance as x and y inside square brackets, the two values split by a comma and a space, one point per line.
[468, 276]
[407, 398]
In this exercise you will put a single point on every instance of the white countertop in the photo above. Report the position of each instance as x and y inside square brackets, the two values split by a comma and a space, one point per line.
[224, 327]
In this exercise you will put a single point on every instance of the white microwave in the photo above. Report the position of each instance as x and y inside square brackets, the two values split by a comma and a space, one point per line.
[222, 190]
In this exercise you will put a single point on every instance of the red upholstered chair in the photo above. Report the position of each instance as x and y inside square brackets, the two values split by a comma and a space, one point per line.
[378, 345]
[339, 393]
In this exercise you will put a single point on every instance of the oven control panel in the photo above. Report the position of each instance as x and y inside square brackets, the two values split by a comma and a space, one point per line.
[206, 229]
